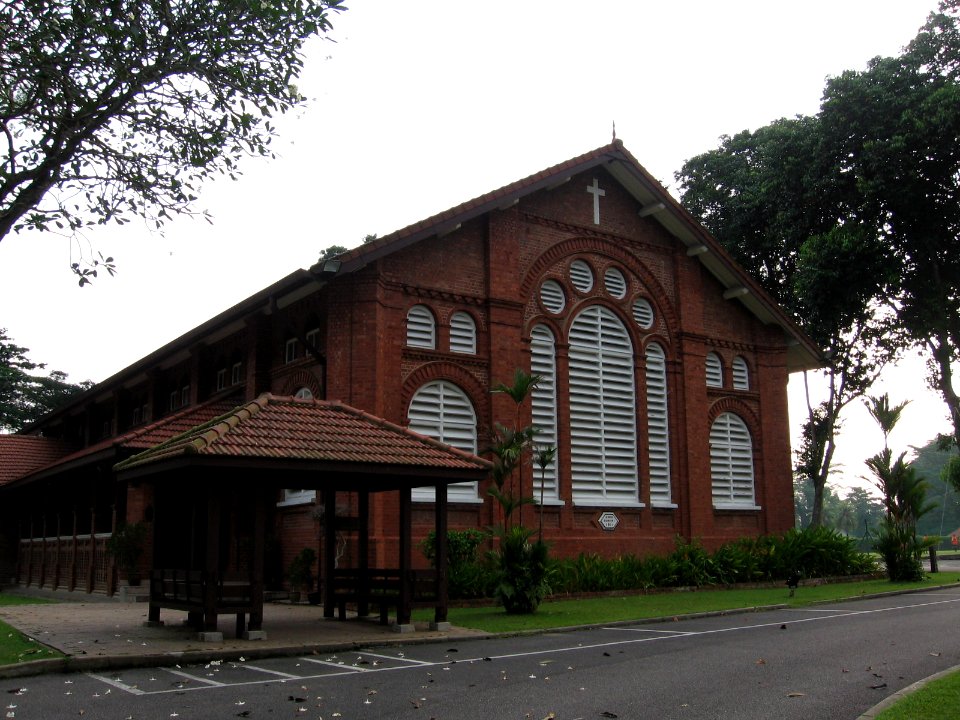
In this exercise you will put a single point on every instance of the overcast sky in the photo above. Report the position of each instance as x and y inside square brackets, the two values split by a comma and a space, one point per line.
[417, 107]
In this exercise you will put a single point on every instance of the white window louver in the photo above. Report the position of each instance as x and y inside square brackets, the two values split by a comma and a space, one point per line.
[714, 367]
[463, 334]
[552, 297]
[741, 375]
[615, 283]
[544, 409]
[658, 426]
[421, 328]
[442, 411]
[643, 313]
[731, 462]
[581, 276]
[603, 438]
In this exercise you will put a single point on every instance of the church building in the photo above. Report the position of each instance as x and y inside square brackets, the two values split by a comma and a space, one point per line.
[663, 386]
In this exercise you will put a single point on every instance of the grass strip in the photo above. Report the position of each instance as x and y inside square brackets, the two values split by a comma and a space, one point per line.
[607, 609]
[15, 647]
[937, 700]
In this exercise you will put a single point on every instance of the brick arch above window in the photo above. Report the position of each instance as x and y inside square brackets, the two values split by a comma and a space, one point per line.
[738, 407]
[553, 262]
[473, 386]
[302, 379]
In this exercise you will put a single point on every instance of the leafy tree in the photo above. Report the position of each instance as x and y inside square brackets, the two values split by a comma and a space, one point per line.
[26, 397]
[331, 252]
[895, 128]
[122, 108]
[770, 198]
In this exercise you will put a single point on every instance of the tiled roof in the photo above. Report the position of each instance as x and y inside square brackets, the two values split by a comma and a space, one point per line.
[286, 428]
[21, 460]
[23, 454]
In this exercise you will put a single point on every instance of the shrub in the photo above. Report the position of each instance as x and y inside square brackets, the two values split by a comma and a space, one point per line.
[467, 576]
[523, 571]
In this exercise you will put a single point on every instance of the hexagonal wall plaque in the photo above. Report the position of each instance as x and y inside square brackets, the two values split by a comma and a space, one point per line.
[608, 521]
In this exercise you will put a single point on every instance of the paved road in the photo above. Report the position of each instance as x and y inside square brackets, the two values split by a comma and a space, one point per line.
[832, 661]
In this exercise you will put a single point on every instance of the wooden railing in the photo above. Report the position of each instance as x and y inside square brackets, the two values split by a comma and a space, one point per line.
[186, 590]
[381, 587]
[66, 562]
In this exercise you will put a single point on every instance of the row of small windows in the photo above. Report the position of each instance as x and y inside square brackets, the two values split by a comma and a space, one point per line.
[294, 350]
[234, 376]
[714, 368]
[422, 330]
[554, 299]
[604, 448]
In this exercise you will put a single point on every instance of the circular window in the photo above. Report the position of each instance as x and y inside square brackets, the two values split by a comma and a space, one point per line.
[643, 313]
[615, 283]
[581, 275]
[551, 295]
[303, 393]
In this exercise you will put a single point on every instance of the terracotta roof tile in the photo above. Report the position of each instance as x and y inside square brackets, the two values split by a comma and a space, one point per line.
[23, 454]
[291, 429]
[17, 461]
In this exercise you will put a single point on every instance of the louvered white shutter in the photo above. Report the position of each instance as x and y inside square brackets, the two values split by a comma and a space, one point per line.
[731, 462]
[421, 330]
[551, 295]
[442, 411]
[603, 437]
[741, 375]
[658, 426]
[643, 313]
[581, 276]
[615, 283]
[463, 334]
[714, 370]
[544, 409]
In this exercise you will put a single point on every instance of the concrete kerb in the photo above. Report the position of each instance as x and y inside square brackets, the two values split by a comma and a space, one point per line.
[900, 694]
[78, 663]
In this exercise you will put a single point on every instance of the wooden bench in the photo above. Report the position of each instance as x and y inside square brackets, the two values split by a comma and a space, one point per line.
[381, 587]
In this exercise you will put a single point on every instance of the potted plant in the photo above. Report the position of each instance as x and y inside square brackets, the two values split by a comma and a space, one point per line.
[300, 573]
[126, 546]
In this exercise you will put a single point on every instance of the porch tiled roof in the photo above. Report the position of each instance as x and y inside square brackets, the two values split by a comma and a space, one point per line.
[286, 428]
[23, 454]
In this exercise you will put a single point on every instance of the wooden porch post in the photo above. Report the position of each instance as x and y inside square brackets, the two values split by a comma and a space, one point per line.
[363, 527]
[257, 563]
[43, 556]
[92, 542]
[73, 553]
[440, 521]
[211, 564]
[329, 549]
[406, 585]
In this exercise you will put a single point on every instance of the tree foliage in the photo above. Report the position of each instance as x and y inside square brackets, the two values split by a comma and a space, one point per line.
[25, 396]
[120, 108]
[850, 218]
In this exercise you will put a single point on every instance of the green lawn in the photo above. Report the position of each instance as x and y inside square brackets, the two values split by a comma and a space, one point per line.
[564, 613]
[15, 647]
[937, 700]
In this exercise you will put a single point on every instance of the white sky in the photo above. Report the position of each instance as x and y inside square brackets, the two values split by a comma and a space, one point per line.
[418, 107]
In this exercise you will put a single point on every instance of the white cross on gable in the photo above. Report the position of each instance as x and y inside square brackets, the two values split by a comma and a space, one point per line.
[597, 193]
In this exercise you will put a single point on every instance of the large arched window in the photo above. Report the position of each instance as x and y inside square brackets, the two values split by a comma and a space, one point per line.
[658, 426]
[603, 437]
[421, 328]
[544, 409]
[442, 411]
[731, 463]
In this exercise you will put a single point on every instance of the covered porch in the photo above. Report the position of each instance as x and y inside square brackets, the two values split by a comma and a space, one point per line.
[212, 490]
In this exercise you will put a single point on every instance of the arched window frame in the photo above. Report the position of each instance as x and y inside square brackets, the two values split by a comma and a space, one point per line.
[714, 370]
[421, 328]
[544, 411]
[603, 433]
[658, 427]
[741, 374]
[463, 333]
[732, 473]
[443, 411]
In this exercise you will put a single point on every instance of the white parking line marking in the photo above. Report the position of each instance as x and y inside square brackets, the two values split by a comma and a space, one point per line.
[118, 684]
[213, 683]
[338, 665]
[288, 676]
[410, 661]
[648, 630]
